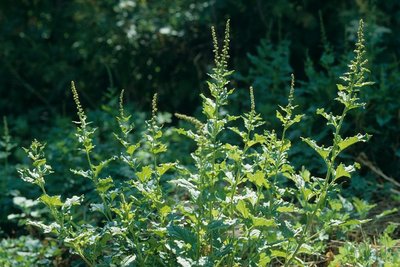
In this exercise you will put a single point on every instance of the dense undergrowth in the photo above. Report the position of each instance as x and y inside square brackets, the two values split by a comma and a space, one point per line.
[230, 196]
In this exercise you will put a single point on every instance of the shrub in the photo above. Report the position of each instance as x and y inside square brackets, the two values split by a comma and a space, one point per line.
[237, 204]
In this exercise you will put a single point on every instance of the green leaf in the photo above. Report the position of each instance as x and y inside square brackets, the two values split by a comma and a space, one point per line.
[263, 222]
[160, 148]
[355, 222]
[285, 209]
[104, 184]
[181, 233]
[209, 107]
[52, 228]
[241, 207]
[188, 186]
[98, 168]
[343, 144]
[218, 225]
[165, 210]
[321, 150]
[280, 116]
[386, 212]
[132, 148]
[278, 253]
[341, 171]
[341, 87]
[145, 174]
[128, 260]
[52, 201]
[39, 162]
[86, 174]
[264, 260]
[73, 201]
[163, 168]
[258, 179]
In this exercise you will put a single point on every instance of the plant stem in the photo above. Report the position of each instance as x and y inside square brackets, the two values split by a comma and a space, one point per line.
[323, 194]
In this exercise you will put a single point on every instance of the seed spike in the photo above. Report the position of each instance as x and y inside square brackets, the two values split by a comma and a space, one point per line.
[190, 119]
[252, 101]
[81, 112]
[291, 93]
[216, 47]
[121, 103]
[154, 107]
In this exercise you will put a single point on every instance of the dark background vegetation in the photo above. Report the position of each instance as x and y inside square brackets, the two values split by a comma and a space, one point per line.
[165, 47]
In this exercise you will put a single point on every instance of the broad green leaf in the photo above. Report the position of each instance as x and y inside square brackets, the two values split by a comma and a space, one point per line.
[241, 207]
[285, 209]
[219, 224]
[321, 150]
[145, 174]
[209, 107]
[355, 222]
[258, 179]
[181, 233]
[98, 168]
[104, 184]
[264, 260]
[263, 222]
[132, 148]
[258, 139]
[332, 120]
[159, 149]
[280, 116]
[343, 144]
[233, 152]
[278, 253]
[341, 171]
[51, 201]
[341, 87]
[307, 249]
[305, 174]
[165, 210]
[163, 168]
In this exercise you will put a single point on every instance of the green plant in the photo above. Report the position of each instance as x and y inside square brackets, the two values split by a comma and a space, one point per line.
[26, 251]
[382, 252]
[6, 146]
[236, 204]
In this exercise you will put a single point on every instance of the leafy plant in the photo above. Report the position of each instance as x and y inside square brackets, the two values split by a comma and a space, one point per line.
[383, 252]
[236, 204]
[26, 251]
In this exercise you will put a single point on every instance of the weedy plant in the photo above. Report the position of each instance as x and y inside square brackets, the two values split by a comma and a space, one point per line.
[238, 204]
[6, 146]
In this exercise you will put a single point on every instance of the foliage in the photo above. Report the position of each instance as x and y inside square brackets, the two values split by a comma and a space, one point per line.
[238, 203]
[319, 86]
[26, 251]
[384, 252]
